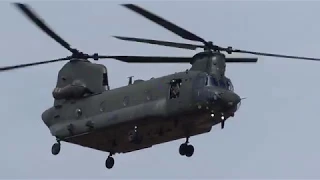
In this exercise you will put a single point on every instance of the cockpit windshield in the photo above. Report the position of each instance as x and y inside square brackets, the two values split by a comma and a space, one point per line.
[211, 81]
[223, 83]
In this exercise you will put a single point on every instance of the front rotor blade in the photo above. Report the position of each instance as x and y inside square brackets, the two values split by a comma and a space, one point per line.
[164, 23]
[31, 64]
[26, 10]
[161, 43]
[241, 60]
[275, 55]
[150, 59]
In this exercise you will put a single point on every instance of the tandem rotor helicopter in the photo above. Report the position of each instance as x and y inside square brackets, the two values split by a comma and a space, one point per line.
[143, 113]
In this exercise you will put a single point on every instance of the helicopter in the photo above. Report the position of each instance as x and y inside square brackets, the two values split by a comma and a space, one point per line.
[143, 113]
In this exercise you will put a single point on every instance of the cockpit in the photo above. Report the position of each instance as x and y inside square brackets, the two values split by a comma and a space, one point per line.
[224, 83]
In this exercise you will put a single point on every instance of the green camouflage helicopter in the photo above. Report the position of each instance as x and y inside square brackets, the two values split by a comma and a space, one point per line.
[143, 113]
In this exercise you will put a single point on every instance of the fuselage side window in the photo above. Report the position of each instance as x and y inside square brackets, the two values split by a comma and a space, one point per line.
[105, 79]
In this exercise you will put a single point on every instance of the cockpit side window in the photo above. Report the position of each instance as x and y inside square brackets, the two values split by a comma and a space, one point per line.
[214, 81]
[230, 86]
[222, 83]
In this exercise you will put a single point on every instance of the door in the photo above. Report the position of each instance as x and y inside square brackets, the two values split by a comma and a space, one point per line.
[174, 96]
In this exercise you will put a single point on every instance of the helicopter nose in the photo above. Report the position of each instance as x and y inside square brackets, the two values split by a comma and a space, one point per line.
[230, 99]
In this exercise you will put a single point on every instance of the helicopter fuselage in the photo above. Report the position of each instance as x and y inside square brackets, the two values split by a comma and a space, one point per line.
[159, 110]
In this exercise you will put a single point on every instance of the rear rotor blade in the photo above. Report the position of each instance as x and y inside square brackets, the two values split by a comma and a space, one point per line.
[7, 68]
[26, 10]
[161, 43]
[164, 23]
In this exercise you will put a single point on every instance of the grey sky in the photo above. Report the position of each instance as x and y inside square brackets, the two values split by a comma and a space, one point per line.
[273, 135]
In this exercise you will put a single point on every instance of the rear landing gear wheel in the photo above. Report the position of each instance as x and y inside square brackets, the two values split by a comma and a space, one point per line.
[186, 150]
[182, 149]
[109, 162]
[56, 148]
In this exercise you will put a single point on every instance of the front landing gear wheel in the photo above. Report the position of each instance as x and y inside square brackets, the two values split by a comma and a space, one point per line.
[109, 162]
[189, 150]
[55, 148]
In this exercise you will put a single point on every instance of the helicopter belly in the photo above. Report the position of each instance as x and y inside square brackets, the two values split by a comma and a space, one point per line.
[152, 131]
[110, 119]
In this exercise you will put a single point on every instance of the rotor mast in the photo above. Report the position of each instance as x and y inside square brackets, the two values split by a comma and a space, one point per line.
[213, 63]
